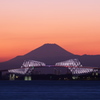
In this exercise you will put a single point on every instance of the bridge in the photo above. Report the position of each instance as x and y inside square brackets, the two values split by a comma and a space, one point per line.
[73, 66]
[32, 67]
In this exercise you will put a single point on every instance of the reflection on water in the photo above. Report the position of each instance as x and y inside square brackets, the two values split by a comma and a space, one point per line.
[49, 90]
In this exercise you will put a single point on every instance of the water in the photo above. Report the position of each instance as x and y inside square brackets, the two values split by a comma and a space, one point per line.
[49, 90]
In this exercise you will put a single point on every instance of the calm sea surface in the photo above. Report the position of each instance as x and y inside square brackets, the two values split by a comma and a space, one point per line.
[49, 90]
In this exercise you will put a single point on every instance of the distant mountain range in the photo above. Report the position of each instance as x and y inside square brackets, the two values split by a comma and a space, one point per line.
[50, 54]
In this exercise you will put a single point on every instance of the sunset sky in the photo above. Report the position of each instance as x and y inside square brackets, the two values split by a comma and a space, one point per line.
[27, 24]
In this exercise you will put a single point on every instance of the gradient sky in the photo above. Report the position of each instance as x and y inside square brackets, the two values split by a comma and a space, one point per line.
[28, 24]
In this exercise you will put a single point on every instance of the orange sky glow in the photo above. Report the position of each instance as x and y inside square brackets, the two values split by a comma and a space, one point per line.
[27, 24]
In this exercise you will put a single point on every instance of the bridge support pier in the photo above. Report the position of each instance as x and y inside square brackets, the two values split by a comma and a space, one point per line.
[27, 78]
[12, 77]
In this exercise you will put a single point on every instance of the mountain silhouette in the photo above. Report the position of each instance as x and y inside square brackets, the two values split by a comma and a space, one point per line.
[48, 50]
[47, 53]
[50, 54]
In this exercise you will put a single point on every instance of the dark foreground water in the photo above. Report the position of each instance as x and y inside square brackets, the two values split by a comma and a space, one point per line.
[49, 90]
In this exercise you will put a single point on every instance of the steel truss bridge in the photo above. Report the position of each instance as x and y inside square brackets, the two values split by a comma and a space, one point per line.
[73, 66]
